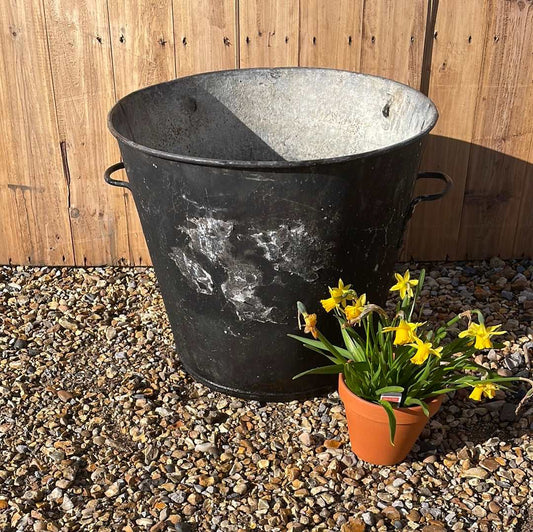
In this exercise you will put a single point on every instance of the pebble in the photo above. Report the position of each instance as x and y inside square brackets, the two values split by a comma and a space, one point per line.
[476, 472]
[369, 518]
[113, 490]
[206, 447]
[507, 413]
[241, 488]
[306, 439]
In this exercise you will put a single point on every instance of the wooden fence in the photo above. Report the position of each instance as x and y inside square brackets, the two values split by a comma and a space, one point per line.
[65, 62]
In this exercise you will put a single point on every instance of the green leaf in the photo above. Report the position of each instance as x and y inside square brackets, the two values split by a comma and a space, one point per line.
[352, 347]
[322, 370]
[412, 401]
[388, 389]
[340, 354]
[392, 419]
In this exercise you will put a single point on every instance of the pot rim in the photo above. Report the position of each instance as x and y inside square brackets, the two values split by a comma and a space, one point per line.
[224, 163]
[404, 415]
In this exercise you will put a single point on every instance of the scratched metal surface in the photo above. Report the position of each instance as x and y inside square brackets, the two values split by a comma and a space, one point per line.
[258, 188]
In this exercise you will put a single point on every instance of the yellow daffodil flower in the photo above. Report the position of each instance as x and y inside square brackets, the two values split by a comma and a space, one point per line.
[404, 285]
[405, 332]
[423, 350]
[339, 295]
[480, 390]
[354, 311]
[481, 334]
[310, 325]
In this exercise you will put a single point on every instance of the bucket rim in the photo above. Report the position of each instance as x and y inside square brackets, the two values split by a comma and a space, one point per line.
[269, 164]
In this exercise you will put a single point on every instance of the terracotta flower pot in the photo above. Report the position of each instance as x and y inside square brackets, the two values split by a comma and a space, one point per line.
[368, 426]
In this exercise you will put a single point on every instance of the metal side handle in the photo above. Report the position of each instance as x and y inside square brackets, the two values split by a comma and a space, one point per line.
[115, 182]
[430, 197]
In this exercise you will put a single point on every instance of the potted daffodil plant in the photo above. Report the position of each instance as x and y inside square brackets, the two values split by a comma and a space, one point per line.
[394, 370]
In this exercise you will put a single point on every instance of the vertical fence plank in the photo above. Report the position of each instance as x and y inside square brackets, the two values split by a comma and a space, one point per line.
[502, 134]
[458, 44]
[206, 35]
[523, 241]
[34, 225]
[142, 43]
[268, 33]
[330, 33]
[142, 40]
[83, 81]
[393, 39]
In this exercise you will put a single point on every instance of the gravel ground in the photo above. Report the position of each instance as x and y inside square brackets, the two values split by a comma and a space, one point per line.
[100, 428]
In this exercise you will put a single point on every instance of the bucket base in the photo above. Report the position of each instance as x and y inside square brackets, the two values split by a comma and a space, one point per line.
[262, 396]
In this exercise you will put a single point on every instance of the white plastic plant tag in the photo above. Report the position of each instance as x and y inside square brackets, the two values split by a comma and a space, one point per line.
[392, 397]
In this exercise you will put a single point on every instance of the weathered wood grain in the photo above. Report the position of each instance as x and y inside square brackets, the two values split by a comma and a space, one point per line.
[330, 33]
[206, 35]
[34, 197]
[269, 32]
[80, 52]
[393, 35]
[142, 44]
[502, 135]
[63, 63]
[458, 44]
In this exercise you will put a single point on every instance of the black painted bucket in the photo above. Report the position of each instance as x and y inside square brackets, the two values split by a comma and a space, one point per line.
[257, 188]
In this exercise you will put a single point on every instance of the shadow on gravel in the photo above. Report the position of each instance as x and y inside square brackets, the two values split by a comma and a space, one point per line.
[440, 439]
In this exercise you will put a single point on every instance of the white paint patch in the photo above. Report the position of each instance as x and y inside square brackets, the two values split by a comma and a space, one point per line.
[196, 276]
[209, 236]
[209, 239]
[239, 289]
[292, 249]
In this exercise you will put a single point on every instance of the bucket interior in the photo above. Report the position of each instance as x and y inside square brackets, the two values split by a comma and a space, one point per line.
[289, 114]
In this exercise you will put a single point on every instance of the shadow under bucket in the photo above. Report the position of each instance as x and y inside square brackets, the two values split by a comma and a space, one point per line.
[257, 188]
